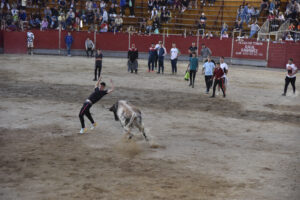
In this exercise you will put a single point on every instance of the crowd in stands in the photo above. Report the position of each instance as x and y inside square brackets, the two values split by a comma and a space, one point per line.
[108, 15]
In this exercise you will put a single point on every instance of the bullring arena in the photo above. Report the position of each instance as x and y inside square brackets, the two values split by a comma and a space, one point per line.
[244, 146]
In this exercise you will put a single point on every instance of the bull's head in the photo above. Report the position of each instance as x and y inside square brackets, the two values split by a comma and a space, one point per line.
[114, 109]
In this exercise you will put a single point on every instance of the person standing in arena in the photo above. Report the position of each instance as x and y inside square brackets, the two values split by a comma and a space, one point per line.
[30, 39]
[133, 55]
[69, 41]
[205, 52]
[151, 59]
[217, 75]
[89, 47]
[207, 70]
[174, 53]
[290, 76]
[224, 67]
[157, 46]
[98, 93]
[193, 49]
[98, 64]
[161, 56]
[193, 68]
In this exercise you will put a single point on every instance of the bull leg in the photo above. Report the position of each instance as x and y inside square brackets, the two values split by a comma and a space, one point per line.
[142, 130]
[129, 126]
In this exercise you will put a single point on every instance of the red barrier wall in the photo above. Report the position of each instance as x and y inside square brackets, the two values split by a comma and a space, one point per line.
[15, 42]
[1, 39]
[279, 53]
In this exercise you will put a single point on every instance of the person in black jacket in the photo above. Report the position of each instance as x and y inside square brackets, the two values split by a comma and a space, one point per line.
[133, 55]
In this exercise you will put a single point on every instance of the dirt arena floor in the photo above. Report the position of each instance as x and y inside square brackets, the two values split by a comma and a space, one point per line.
[243, 147]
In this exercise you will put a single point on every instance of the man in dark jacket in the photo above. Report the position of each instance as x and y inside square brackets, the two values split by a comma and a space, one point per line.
[151, 59]
[133, 55]
[69, 40]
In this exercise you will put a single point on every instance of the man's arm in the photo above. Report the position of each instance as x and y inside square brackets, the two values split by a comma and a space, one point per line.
[98, 82]
[112, 87]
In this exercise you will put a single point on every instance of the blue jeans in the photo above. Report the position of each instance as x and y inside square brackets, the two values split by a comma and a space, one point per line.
[174, 66]
[223, 30]
[69, 49]
[252, 33]
[161, 64]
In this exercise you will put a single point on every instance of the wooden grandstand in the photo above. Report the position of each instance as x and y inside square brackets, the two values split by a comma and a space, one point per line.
[222, 11]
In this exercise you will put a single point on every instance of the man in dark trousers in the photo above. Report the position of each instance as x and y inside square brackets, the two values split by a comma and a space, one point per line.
[69, 41]
[290, 76]
[157, 46]
[98, 93]
[161, 56]
[98, 64]
[217, 75]
[133, 55]
[193, 49]
[151, 59]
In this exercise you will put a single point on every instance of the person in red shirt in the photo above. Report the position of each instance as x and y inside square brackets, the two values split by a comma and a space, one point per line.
[218, 74]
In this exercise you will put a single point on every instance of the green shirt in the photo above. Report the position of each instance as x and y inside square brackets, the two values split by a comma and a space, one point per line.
[193, 63]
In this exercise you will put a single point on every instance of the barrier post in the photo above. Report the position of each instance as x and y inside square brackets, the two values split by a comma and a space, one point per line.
[268, 45]
[95, 38]
[197, 42]
[164, 37]
[59, 39]
[232, 45]
[129, 37]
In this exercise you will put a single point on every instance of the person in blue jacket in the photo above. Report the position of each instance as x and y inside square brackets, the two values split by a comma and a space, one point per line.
[151, 59]
[69, 40]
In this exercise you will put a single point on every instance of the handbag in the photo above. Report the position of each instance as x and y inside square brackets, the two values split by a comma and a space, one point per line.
[187, 75]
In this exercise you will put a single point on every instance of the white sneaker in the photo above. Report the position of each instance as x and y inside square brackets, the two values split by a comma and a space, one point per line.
[93, 126]
[82, 130]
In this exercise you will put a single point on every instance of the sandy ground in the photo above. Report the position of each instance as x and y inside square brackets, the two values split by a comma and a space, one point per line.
[244, 147]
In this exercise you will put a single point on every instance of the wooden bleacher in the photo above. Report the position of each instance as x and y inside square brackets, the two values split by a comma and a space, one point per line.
[222, 11]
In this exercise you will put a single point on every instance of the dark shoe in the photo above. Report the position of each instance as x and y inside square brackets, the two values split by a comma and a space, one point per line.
[158, 72]
[190, 85]
[212, 97]
[224, 96]
[284, 94]
[94, 79]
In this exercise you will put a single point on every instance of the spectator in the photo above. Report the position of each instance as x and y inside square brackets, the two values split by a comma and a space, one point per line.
[104, 27]
[89, 5]
[272, 7]
[289, 38]
[62, 21]
[264, 5]
[238, 26]
[105, 15]
[205, 52]
[30, 39]
[207, 70]
[131, 6]
[69, 41]
[54, 22]
[98, 64]
[281, 17]
[89, 47]
[5, 3]
[142, 23]
[202, 22]
[224, 35]
[253, 29]
[44, 24]
[149, 25]
[161, 56]
[211, 2]
[48, 13]
[119, 23]
[150, 5]
[239, 13]
[23, 19]
[153, 13]
[193, 68]
[224, 28]
[112, 12]
[174, 53]
[151, 59]
[192, 49]
[12, 27]
[133, 55]
[209, 35]
[123, 7]
[245, 14]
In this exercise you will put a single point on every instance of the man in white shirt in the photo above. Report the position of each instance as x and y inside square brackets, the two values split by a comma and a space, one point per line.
[290, 76]
[174, 53]
[30, 39]
[224, 67]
